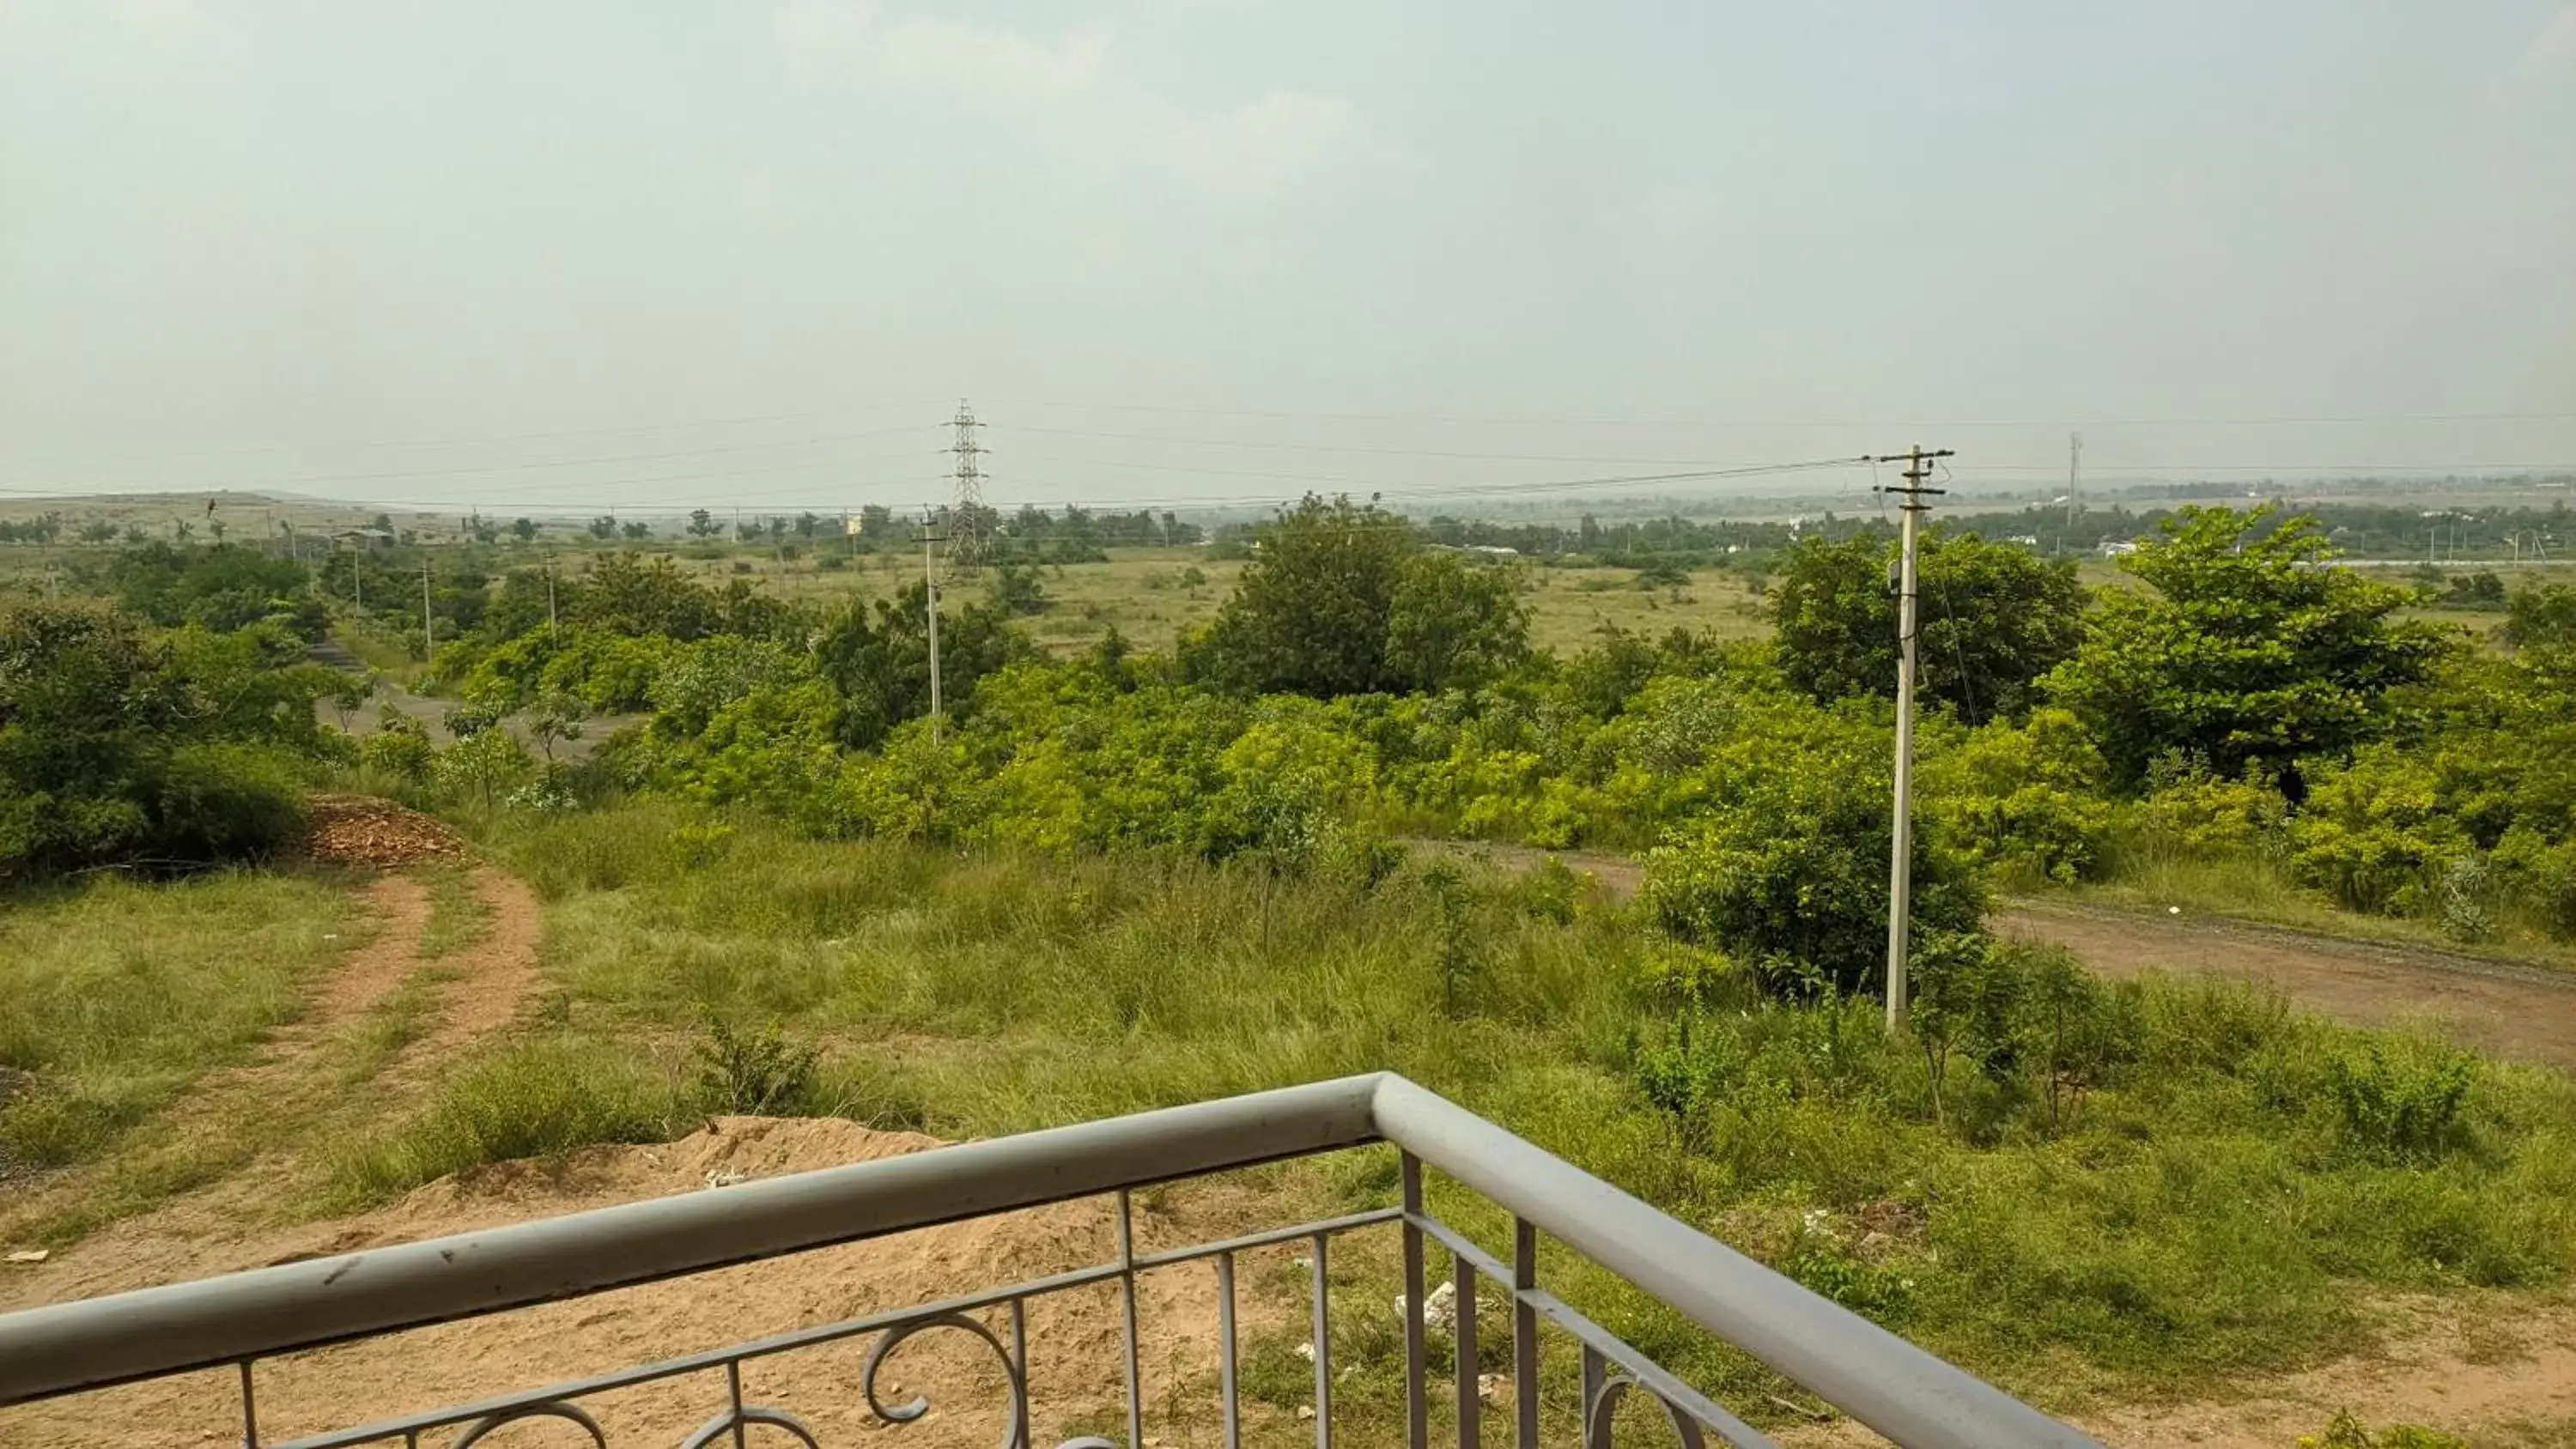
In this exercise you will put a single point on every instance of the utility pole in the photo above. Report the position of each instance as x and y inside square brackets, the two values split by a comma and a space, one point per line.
[554, 630]
[971, 545]
[1900, 866]
[930, 602]
[428, 633]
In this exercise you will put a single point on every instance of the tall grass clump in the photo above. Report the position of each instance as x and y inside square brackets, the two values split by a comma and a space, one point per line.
[535, 1097]
[119, 994]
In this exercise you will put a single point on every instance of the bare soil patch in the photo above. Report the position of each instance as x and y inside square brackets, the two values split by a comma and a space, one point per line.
[1075, 1337]
[2524, 1012]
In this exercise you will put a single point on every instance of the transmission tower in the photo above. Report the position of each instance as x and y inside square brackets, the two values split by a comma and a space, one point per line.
[970, 540]
[2074, 475]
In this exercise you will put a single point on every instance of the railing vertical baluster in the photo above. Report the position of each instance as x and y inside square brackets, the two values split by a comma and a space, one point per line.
[1020, 1357]
[1127, 1293]
[1471, 1398]
[1417, 1354]
[1225, 1350]
[1524, 1332]
[733, 1391]
[250, 1410]
[1323, 1350]
[1595, 1373]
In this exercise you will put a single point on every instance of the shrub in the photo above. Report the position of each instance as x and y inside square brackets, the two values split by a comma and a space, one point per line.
[760, 1073]
[1793, 872]
[2410, 1107]
[401, 750]
[220, 802]
[2373, 835]
[2347, 1432]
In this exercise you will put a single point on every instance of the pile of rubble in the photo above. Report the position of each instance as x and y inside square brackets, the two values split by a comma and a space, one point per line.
[363, 830]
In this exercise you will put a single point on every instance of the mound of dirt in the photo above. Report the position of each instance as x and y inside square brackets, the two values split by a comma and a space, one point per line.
[366, 831]
[1075, 1337]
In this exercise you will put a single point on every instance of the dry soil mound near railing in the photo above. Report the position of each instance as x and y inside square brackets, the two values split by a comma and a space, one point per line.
[1075, 1337]
[363, 830]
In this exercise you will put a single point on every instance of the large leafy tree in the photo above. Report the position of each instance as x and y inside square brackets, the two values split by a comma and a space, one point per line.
[1341, 599]
[1785, 864]
[112, 750]
[1454, 626]
[1309, 613]
[1992, 618]
[878, 660]
[2246, 647]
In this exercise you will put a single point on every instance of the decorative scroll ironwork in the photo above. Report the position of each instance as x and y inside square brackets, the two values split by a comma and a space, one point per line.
[743, 1418]
[1605, 1404]
[573, 1413]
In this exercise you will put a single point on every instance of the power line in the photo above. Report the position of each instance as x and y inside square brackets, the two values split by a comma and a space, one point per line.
[1337, 448]
[2275, 420]
[219, 450]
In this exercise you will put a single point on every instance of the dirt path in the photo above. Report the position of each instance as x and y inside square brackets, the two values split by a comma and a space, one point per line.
[2524, 1012]
[234, 1149]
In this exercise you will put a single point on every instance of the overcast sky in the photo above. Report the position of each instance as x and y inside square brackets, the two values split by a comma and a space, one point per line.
[726, 253]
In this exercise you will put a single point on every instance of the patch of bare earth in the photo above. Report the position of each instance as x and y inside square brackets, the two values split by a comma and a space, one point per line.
[1075, 1337]
[2495, 1371]
[2524, 1012]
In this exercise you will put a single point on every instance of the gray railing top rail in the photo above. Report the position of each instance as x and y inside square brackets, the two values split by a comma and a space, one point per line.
[1877, 1377]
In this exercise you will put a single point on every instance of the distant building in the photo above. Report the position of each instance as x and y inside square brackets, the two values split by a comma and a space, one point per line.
[2117, 548]
[363, 538]
[1496, 549]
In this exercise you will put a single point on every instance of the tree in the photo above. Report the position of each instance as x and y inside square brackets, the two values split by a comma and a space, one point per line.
[878, 661]
[604, 527]
[524, 530]
[1787, 868]
[702, 524]
[112, 750]
[1309, 614]
[2247, 648]
[1992, 618]
[806, 523]
[1451, 626]
[638, 532]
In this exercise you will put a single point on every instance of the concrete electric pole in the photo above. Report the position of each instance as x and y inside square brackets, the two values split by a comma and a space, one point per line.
[1900, 869]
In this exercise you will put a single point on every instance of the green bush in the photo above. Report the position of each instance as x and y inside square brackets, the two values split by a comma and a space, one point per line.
[2408, 1107]
[1791, 873]
[218, 802]
[2348, 1432]
[761, 1073]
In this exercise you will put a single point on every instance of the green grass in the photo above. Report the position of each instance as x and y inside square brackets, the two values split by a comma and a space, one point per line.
[2210, 1208]
[119, 995]
[458, 918]
[1145, 595]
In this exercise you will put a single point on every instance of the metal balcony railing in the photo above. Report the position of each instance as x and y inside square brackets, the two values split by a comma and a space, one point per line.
[238, 1321]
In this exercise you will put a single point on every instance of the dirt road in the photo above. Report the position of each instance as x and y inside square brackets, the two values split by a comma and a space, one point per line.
[2525, 1012]
[2515, 1011]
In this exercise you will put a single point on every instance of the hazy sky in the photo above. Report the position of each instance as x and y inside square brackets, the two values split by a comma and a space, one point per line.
[753, 254]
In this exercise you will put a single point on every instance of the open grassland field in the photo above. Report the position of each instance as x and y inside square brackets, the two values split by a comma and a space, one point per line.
[1151, 595]
[2249, 1192]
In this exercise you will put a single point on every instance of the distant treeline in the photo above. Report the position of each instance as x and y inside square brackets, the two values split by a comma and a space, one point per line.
[2359, 530]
